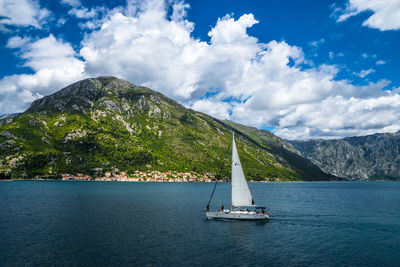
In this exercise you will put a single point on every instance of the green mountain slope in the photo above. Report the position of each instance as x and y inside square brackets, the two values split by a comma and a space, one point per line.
[284, 152]
[104, 124]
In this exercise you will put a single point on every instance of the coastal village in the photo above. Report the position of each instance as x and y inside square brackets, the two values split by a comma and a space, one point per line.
[144, 176]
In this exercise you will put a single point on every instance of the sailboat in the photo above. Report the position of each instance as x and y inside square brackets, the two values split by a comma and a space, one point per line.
[242, 207]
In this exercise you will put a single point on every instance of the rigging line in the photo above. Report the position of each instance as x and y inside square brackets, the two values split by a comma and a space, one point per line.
[220, 171]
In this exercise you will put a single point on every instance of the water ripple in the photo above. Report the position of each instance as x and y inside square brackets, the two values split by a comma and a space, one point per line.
[153, 224]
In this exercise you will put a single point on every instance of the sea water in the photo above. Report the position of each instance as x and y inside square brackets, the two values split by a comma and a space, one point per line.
[121, 223]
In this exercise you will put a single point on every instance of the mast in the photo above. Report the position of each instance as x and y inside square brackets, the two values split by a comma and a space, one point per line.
[216, 182]
[233, 144]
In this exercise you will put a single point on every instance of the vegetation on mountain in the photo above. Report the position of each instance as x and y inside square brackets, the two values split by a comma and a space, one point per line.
[107, 124]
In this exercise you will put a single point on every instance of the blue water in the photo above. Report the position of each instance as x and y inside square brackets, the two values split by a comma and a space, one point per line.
[111, 223]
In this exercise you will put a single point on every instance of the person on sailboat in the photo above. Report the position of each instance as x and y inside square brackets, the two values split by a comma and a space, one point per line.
[264, 212]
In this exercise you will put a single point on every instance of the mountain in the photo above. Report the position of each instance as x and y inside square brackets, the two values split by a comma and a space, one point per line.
[371, 157]
[8, 115]
[107, 124]
[283, 151]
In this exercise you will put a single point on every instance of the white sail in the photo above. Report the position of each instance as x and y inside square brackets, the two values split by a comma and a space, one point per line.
[241, 195]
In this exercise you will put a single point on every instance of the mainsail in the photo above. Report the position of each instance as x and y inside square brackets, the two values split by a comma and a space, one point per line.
[241, 195]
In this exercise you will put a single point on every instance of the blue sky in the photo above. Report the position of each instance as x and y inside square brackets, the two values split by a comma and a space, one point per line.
[301, 23]
[302, 69]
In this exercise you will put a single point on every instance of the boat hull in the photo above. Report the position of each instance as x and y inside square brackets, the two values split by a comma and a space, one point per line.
[236, 216]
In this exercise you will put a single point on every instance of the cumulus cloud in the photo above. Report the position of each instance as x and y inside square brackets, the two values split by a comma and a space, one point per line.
[386, 14]
[158, 52]
[231, 76]
[54, 64]
[337, 116]
[147, 49]
[22, 13]
[250, 82]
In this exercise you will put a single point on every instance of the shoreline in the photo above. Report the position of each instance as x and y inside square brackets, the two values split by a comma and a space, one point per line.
[298, 181]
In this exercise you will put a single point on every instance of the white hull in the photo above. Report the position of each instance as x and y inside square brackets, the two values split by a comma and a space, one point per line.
[236, 215]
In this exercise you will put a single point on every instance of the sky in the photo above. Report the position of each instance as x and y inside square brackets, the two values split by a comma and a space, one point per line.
[302, 69]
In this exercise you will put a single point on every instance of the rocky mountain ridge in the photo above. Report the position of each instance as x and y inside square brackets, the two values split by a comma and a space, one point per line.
[107, 124]
[370, 157]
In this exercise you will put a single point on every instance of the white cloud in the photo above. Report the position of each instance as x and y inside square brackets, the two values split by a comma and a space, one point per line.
[79, 11]
[216, 109]
[386, 14]
[17, 42]
[232, 75]
[364, 73]
[316, 43]
[90, 24]
[336, 117]
[251, 82]
[332, 55]
[380, 62]
[83, 13]
[22, 13]
[73, 3]
[54, 64]
[179, 11]
[61, 22]
[149, 50]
